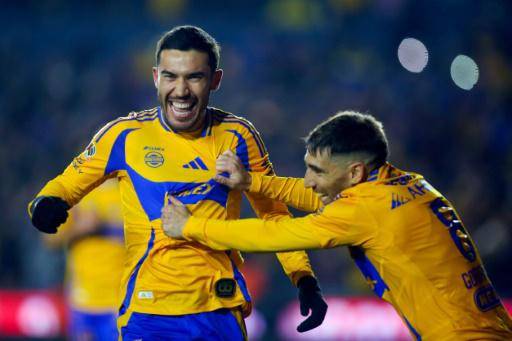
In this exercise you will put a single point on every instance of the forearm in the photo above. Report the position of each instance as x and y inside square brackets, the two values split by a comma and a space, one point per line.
[57, 188]
[295, 264]
[252, 235]
[49, 209]
[70, 186]
[290, 191]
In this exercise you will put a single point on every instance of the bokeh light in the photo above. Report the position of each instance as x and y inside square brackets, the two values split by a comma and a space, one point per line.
[413, 55]
[464, 72]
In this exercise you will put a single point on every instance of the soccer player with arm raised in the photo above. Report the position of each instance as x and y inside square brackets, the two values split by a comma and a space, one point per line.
[406, 238]
[172, 289]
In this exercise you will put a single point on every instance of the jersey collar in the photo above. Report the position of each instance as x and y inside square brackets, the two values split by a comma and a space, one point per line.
[205, 131]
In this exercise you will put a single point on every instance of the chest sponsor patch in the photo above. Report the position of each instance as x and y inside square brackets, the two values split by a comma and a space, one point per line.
[154, 159]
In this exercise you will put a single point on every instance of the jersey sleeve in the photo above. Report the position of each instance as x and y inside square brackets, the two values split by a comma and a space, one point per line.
[87, 170]
[290, 191]
[255, 158]
[344, 222]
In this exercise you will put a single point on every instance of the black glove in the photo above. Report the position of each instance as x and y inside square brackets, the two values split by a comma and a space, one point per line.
[48, 213]
[310, 297]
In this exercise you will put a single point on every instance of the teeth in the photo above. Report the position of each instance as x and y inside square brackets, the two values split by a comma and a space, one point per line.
[182, 106]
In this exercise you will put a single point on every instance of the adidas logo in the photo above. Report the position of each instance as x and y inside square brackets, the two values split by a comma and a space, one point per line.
[197, 163]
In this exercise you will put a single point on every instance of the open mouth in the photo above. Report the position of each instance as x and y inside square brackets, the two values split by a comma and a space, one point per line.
[183, 111]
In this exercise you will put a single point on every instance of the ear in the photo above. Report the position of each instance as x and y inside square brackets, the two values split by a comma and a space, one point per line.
[155, 76]
[216, 79]
[357, 173]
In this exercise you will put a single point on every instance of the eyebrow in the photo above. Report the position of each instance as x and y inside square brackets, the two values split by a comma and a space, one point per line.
[315, 168]
[190, 75]
[168, 73]
[196, 74]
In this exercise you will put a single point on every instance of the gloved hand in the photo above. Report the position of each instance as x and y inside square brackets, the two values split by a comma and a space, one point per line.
[310, 297]
[48, 213]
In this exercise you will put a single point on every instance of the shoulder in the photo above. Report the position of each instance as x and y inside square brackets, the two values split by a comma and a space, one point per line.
[350, 213]
[232, 121]
[239, 126]
[134, 120]
[343, 203]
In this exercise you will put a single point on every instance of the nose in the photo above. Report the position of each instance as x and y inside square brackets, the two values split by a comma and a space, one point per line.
[308, 180]
[181, 88]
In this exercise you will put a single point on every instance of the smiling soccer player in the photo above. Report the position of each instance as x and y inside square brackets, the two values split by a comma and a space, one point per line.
[177, 290]
[406, 238]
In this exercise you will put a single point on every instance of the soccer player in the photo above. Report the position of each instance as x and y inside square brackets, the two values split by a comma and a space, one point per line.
[174, 289]
[405, 237]
[95, 257]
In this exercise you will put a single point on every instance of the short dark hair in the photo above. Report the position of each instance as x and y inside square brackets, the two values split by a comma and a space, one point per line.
[185, 38]
[350, 132]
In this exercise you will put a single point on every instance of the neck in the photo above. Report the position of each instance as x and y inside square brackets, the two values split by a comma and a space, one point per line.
[197, 126]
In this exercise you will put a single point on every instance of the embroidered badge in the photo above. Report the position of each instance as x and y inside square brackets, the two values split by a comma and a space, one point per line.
[154, 159]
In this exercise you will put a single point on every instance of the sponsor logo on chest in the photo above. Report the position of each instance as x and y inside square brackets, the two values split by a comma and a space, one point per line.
[153, 156]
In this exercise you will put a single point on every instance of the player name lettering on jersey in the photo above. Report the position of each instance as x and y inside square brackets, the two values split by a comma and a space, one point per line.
[486, 298]
[474, 277]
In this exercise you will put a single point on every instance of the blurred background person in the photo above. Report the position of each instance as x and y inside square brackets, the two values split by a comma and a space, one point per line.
[94, 245]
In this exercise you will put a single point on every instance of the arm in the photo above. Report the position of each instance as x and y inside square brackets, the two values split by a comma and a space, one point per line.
[254, 157]
[96, 212]
[254, 235]
[290, 191]
[251, 150]
[343, 222]
[295, 264]
[49, 209]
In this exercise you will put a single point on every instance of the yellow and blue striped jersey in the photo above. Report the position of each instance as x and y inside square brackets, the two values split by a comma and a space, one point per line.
[95, 261]
[150, 160]
[404, 236]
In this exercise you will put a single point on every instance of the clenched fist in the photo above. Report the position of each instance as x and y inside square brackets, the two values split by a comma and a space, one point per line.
[231, 172]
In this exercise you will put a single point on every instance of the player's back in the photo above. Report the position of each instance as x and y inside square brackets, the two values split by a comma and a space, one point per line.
[421, 259]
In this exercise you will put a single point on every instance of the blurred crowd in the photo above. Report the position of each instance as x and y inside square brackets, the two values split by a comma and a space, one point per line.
[67, 68]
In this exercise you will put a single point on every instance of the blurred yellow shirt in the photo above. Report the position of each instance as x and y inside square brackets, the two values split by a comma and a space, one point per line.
[404, 236]
[95, 262]
[162, 275]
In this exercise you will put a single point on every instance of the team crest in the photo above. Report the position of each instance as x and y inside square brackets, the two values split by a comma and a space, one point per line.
[90, 150]
[154, 159]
